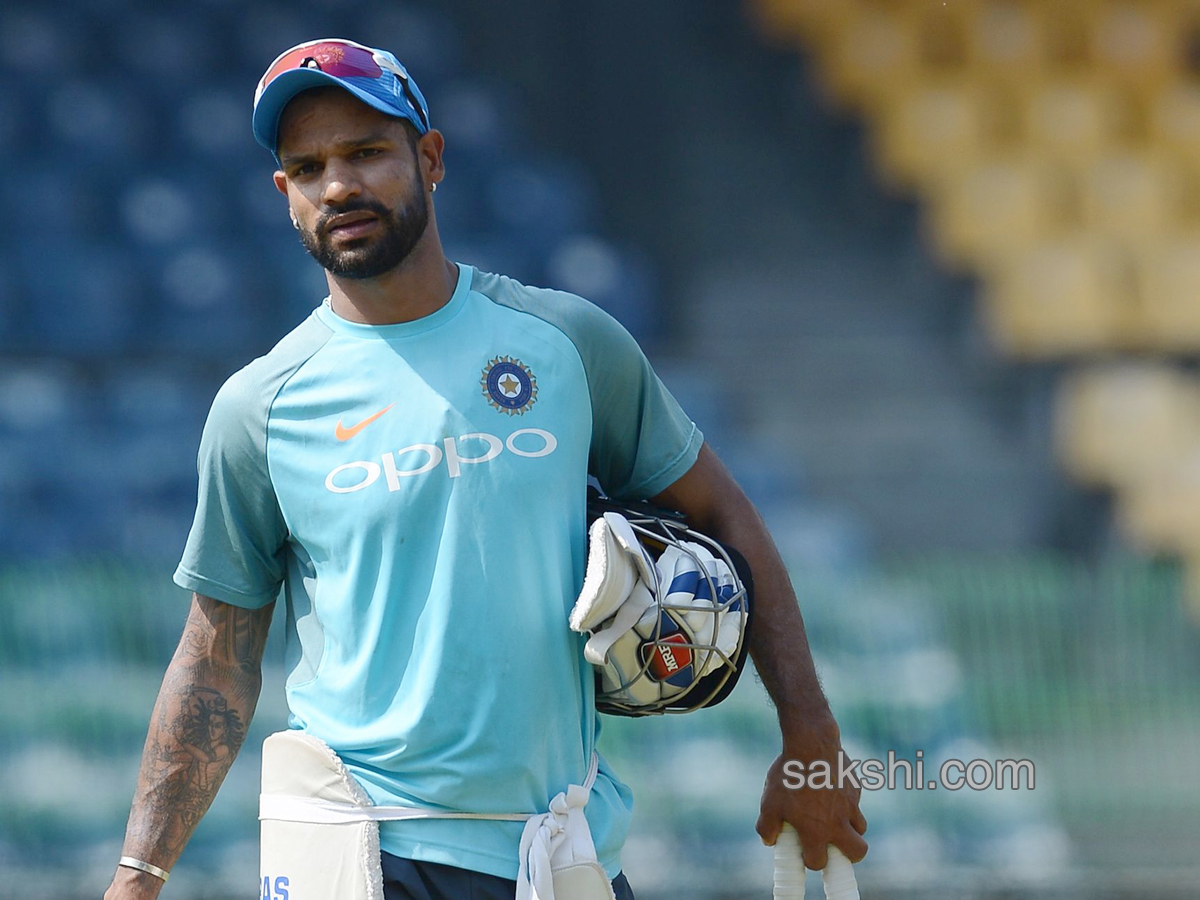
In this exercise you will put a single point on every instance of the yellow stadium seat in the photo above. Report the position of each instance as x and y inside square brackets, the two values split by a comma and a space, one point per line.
[1068, 24]
[996, 210]
[1175, 120]
[789, 21]
[1064, 297]
[1119, 425]
[1074, 121]
[1136, 42]
[1162, 513]
[876, 50]
[1168, 283]
[933, 131]
[1007, 40]
[887, 48]
[1136, 198]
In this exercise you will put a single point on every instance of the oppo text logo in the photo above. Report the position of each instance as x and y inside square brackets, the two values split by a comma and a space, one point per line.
[417, 459]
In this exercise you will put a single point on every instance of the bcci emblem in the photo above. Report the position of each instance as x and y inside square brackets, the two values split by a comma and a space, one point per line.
[509, 385]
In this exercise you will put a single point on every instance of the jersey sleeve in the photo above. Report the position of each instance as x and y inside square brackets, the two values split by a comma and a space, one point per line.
[642, 441]
[235, 551]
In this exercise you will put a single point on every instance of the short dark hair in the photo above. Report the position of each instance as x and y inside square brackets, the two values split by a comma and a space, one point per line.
[413, 135]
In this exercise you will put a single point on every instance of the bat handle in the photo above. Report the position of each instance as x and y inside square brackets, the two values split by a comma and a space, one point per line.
[789, 865]
[838, 874]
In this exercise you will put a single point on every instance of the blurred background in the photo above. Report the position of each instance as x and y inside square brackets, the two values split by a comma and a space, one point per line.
[926, 273]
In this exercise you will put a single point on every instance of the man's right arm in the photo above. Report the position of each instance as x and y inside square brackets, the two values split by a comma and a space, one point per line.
[199, 721]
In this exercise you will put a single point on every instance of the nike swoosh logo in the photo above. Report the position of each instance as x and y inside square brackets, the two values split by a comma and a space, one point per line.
[344, 434]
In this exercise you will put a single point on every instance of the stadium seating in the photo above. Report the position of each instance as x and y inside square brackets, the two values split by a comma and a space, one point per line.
[1056, 148]
[1168, 275]
[1066, 296]
[1137, 43]
[1120, 424]
[1074, 121]
[933, 130]
[1007, 42]
[1001, 207]
[1132, 198]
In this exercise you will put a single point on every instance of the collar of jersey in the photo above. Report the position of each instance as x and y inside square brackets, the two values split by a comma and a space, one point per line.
[397, 330]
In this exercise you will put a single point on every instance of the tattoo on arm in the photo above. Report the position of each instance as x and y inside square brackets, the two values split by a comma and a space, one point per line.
[199, 723]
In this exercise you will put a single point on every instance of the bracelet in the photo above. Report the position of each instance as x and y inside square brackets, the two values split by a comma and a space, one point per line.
[149, 868]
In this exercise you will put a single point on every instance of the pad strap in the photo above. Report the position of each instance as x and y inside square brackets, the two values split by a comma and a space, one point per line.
[285, 808]
[289, 808]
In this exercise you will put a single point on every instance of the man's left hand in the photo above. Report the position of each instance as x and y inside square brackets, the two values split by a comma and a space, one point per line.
[821, 816]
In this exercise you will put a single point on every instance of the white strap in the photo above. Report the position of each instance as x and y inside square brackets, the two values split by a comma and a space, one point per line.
[555, 839]
[628, 614]
[286, 808]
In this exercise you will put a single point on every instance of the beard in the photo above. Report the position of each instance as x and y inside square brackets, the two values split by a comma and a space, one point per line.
[371, 256]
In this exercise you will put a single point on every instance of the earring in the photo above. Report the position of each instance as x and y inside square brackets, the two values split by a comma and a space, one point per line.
[433, 187]
[295, 224]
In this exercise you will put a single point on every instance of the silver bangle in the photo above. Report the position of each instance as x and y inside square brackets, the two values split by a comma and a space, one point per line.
[149, 868]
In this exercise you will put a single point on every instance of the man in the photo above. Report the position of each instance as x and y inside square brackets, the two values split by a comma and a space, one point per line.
[410, 465]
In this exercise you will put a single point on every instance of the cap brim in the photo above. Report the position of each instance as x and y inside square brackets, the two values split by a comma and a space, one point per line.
[287, 85]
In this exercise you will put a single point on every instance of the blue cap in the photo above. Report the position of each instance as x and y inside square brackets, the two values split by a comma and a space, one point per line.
[391, 91]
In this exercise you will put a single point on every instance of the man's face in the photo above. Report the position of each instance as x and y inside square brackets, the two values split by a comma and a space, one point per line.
[354, 182]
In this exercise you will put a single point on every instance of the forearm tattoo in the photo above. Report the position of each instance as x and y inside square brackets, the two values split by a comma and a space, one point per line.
[198, 725]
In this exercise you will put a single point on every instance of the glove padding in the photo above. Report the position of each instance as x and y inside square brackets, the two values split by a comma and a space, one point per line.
[624, 591]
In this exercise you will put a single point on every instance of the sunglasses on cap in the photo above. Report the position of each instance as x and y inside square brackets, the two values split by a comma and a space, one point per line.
[342, 59]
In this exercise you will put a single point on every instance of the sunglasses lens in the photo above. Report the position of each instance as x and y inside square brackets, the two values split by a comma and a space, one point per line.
[338, 60]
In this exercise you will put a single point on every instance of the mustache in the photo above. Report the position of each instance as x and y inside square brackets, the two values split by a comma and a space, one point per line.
[373, 206]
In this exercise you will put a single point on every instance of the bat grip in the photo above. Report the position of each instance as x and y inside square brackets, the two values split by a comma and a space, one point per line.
[838, 874]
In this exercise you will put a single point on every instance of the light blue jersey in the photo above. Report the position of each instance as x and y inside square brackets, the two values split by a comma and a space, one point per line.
[418, 490]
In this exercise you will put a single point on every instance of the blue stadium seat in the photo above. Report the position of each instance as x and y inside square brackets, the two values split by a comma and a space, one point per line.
[459, 203]
[421, 37]
[154, 531]
[256, 206]
[38, 401]
[210, 298]
[36, 42]
[264, 30]
[165, 50]
[213, 121]
[819, 536]
[81, 296]
[542, 199]
[617, 280]
[167, 209]
[12, 335]
[12, 115]
[295, 280]
[57, 197]
[153, 399]
[495, 252]
[106, 118]
[478, 120]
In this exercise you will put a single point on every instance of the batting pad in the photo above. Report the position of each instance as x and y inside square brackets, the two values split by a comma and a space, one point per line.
[311, 860]
[320, 832]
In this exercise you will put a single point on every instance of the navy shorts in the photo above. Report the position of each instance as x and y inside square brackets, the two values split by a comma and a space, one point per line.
[410, 879]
